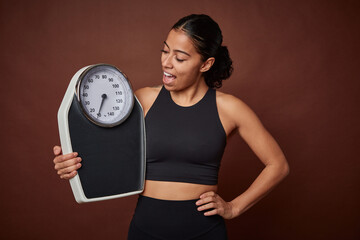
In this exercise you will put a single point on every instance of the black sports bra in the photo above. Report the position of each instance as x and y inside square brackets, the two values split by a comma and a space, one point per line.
[184, 144]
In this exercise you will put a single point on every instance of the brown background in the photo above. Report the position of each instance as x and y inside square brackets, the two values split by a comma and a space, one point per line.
[296, 65]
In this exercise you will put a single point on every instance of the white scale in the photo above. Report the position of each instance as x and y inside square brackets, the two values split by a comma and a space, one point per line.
[102, 120]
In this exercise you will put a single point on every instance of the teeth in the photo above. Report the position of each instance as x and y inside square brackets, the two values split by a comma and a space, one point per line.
[168, 74]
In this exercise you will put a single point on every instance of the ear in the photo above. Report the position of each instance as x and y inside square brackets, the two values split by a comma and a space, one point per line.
[207, 64]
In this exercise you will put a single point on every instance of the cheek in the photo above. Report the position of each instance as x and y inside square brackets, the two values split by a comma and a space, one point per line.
[162, 58]
[191, 70]
[183, 70]
[187, 75]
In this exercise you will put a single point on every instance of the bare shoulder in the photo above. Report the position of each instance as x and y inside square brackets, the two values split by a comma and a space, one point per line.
[234, 110]
[147, 96]
[147, 92]
[230, 103]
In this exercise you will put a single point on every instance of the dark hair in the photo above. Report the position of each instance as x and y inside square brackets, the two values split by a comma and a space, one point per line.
[207, 38]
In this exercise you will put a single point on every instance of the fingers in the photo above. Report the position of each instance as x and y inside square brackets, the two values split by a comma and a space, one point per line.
[206, 198]
[69, 169]
[211, 203]
[207, 206]
[57, 150]
[66, 157]
[208, 194]
[62, 165]
[68, 175]
[212, 212]
[67, 164]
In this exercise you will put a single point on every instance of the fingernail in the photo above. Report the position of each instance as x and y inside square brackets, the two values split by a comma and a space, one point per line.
[75, 154]
[79, 159]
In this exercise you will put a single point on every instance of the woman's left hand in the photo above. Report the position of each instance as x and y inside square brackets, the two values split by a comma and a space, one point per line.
[213, 202]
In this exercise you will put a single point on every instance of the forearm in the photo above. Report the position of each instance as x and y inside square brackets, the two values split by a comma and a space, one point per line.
[270, 176]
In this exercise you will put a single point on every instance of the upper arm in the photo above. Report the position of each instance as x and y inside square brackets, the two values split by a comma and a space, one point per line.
[244, 120]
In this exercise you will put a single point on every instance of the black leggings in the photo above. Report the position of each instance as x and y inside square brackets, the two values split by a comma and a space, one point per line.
[174, 220]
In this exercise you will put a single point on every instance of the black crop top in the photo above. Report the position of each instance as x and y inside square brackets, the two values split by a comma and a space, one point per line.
[184, 144]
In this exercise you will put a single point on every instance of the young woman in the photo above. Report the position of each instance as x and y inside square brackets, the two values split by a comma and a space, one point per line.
[187, 123]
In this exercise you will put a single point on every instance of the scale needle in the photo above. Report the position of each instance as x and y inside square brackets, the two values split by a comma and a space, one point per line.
[103, 97]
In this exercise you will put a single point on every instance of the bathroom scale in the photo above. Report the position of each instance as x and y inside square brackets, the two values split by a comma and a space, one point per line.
[101, 119]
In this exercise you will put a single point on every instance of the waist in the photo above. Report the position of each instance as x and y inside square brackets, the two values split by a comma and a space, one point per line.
[175, 190]
[170, 170]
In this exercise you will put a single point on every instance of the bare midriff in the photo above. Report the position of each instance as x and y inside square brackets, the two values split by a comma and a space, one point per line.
[175, 190]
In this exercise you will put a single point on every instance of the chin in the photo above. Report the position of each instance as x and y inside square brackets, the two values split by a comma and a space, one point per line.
[170, 87]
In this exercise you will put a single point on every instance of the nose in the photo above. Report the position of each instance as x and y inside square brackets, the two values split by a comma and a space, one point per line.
[166, 61]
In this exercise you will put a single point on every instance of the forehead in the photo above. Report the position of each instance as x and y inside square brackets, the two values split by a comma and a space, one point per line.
[178, 40]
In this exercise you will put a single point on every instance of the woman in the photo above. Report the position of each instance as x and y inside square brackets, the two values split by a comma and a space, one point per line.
[187, 123]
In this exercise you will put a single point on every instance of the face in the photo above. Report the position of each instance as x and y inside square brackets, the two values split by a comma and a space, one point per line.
[181, 63]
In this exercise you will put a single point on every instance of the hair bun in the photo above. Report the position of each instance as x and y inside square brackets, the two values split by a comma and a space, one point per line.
[221, 70]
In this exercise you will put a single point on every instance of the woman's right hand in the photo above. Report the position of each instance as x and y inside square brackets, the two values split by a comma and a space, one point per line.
[66, 165]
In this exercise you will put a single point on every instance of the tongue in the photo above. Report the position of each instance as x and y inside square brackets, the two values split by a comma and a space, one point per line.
[168, 79]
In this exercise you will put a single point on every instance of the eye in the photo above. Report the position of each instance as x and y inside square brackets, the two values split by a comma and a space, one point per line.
[164, 51]
[179, 60]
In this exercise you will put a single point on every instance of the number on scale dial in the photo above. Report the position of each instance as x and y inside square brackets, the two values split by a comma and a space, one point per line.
[105, 95]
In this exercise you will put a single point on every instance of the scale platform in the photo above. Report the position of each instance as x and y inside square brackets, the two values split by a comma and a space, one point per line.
[113, 159]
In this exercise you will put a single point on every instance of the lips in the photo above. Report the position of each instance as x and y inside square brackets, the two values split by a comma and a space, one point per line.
[168, 78]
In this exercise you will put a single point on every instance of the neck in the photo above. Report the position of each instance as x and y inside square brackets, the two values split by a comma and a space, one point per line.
[190, 95]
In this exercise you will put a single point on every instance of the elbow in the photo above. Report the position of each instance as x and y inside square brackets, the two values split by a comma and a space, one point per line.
[285, 169]
[281, 168]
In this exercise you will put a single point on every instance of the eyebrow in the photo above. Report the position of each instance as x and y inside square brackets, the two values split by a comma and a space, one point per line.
[176, 50]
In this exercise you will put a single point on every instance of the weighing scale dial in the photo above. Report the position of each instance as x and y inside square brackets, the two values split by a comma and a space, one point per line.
[105, 95]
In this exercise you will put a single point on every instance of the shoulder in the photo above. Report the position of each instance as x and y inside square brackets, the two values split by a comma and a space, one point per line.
[147, 92]
[230, 103]
[234, 110]
[147, 96]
